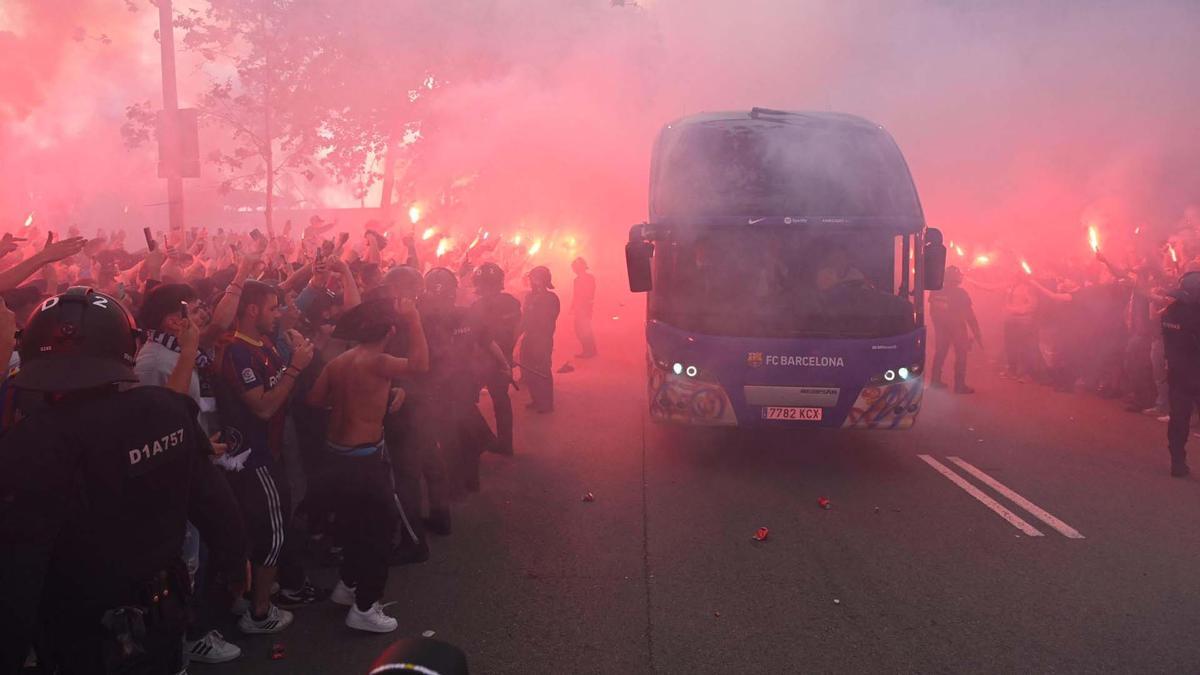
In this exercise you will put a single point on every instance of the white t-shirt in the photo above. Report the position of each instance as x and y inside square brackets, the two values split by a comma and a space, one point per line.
[153, 367]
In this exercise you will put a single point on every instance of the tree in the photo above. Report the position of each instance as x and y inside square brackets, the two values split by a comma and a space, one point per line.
[271, 60]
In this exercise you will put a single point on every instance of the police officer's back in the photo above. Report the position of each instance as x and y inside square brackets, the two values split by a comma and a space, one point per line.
[537, 348]
[458, 346]
[94, 496]
[500, 314]
[1181, 343]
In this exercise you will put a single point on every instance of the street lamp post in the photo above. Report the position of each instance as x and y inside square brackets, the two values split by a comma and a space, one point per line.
[169, 140]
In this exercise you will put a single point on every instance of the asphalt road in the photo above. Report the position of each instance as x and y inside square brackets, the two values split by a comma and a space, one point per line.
[906, 571]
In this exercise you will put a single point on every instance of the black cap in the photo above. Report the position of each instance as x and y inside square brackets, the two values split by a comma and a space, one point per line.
[367, 322]
[78, 340]
[163, 301]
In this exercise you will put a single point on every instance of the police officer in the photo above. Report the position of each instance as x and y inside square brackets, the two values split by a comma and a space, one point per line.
[1181, 342]
[97, 486]
[458, 344]
[537, 348]
[954, 324]
[410, 435]
[583, 305]
[500, 313]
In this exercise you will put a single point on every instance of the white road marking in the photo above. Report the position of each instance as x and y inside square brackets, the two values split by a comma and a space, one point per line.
[1013, 519]
[1034, 509]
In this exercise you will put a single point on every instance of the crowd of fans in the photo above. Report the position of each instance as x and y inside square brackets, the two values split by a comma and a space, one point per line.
[294, 348]
[1091, 324]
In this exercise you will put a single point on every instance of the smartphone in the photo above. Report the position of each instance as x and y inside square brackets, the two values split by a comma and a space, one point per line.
[150, 244]
[255, 234]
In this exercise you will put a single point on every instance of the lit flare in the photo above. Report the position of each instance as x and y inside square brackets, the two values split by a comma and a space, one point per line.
[428, 234]
[1093, 239]
[1174, 255]
[982, 260]
[29, 220]
[414, 214]
[1025, 266]
[535, 247]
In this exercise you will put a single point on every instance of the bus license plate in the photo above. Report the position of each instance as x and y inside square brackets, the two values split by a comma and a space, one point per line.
[798, 414]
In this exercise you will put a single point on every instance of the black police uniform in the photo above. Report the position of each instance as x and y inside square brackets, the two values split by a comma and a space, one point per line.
[457, 345]
[500, 313]
[411, 438]
[1181, 342]
[537, 348]
[94, 497]
[953, 318]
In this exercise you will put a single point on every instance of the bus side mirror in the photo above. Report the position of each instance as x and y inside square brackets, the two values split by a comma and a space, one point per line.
[935, 260]
[637, 264]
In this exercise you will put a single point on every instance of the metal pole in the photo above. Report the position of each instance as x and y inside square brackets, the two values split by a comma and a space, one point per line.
[170, 120]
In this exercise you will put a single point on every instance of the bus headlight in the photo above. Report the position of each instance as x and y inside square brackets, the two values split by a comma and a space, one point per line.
[893, 375]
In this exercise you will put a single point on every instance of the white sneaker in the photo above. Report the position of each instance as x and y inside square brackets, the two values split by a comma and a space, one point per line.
[342, 594]
[373, 620]
[275, 621]
[212, 648]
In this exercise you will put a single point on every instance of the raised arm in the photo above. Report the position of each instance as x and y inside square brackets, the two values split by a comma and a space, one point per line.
[1060, 297]
[350, 293]
[226, 310]
[180, 379]
[263, 402]
[60, 250]
[418, 355]
[1116, 271]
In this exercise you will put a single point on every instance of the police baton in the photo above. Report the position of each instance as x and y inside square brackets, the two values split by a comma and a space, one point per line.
[532, 371]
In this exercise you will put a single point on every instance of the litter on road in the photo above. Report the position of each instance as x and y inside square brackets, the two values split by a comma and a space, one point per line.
[761, 534]
[589, 497]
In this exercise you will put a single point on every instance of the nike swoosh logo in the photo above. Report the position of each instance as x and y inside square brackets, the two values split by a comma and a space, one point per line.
[755, 221]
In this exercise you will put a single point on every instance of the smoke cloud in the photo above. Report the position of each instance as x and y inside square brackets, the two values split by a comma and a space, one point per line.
[1021, 121]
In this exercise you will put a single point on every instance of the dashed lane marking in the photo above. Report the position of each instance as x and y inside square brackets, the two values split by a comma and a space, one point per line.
[1035, 510]
[1000, 510]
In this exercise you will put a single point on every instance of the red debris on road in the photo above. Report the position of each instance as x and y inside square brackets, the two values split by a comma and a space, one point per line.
[278, 653]
[823, 502]
[761, 534]
[589, 497]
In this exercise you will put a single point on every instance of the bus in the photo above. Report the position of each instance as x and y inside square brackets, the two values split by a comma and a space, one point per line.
[786, 260]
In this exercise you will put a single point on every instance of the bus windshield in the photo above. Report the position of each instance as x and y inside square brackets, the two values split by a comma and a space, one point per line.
[783, 283]
[794, 168]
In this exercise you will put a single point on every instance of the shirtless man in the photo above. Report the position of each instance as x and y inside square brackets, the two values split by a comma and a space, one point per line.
[357, 388]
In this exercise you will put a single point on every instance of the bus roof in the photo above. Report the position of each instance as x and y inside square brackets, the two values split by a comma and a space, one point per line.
[768, 165]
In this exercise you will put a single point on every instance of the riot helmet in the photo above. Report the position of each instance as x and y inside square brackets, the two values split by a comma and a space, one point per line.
[488, 277]
[80, 339]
